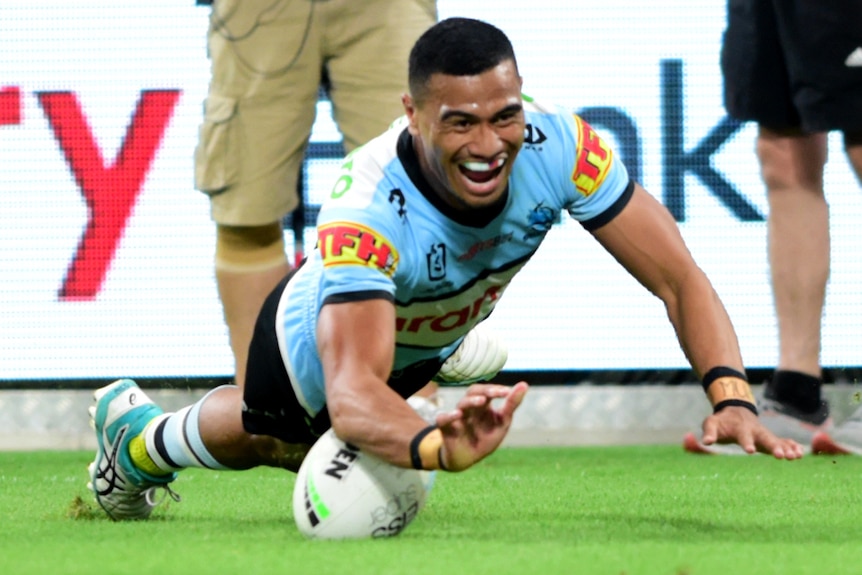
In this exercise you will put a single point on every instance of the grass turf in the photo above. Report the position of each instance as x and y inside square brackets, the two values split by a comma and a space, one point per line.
[613, 510]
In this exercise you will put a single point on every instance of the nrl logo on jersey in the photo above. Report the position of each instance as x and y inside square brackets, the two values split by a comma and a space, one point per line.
[436, 258]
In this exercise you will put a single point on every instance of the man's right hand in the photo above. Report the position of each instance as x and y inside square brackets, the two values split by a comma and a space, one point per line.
[476, 428]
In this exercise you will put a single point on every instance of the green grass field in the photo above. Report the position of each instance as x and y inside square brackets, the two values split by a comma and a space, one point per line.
[613, 510]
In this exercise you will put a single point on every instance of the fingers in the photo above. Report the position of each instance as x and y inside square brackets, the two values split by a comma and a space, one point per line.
[769, 444]
[710, 430]
[448, 417]
[740, 426]
[469, 402]
[514, 399]
[496, 391]
[490, 390]
[791, 449]
[481, 394]
[745, 439]
[778, 447]
[474, 429]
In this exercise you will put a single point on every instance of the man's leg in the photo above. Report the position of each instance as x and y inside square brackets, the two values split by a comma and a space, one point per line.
[258, 115]
[249, 262]
[216, 420]
[798, 244]
[847, 438]
[799, 259]
[853, 146]
[141, 449]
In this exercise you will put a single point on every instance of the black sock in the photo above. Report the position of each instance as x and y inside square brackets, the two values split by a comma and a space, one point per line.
[798, 389]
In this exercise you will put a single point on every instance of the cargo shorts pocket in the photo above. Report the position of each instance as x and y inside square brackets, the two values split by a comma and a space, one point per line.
[217, 153]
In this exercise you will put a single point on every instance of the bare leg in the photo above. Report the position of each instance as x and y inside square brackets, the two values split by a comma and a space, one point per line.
[242, 295]
[792, 169]
[847, 438]
[249, 263]
[223, 435]
[853, 145]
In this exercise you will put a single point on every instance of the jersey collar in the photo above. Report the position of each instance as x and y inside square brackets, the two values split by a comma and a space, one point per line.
[472, 218]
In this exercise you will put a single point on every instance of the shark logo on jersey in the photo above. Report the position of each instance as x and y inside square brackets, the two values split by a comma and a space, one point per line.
[533, 136]
[540, 221]
[437, 262]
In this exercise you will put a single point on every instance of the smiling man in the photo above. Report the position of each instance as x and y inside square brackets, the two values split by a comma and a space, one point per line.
[466, 146]
[425, 227]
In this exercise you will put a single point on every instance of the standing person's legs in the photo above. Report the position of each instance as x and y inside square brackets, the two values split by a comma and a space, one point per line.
[816, 39]
[369, 44]
[798, 246]
[250, 261]
[784, 67]
[760, 61]
[258, 117]
[847, 437]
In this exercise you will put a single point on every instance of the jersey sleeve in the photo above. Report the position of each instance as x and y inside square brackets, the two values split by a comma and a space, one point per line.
[598, 180]
[358, 234]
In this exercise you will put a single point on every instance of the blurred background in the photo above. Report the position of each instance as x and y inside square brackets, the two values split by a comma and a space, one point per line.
[106, 247]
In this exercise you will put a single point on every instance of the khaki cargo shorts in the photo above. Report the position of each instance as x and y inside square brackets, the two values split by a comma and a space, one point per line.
[267, 60]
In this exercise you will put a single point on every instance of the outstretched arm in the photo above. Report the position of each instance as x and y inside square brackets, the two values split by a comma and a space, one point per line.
[645, 239]
[356, 341]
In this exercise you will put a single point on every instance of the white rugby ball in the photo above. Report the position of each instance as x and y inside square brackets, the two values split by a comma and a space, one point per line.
[344, 493]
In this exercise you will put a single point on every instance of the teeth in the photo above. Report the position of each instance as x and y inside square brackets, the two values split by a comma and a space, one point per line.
[484, 166]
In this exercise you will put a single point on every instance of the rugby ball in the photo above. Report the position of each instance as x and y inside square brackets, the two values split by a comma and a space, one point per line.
[344, 493]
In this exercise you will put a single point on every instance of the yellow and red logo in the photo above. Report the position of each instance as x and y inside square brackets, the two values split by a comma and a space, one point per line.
[347, 243]
[593, 160]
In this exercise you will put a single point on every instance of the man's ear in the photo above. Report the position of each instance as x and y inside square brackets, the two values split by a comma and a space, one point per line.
[410, 111]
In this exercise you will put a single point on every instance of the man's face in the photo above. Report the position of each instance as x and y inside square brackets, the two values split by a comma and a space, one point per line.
[467, 131]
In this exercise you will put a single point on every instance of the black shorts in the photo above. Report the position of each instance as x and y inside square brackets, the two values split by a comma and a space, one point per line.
[270, 406]
[794, 63]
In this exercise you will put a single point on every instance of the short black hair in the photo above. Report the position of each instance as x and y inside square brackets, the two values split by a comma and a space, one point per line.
[457, 47]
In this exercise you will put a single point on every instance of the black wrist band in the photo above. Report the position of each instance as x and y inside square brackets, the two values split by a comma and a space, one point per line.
[735, 403]
[415, 458]
[721, 371]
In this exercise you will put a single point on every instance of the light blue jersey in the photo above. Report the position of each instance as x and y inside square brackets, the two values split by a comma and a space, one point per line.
[384, 233]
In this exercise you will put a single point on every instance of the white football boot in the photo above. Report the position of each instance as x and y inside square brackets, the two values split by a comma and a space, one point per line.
[121, 412]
